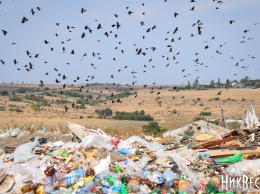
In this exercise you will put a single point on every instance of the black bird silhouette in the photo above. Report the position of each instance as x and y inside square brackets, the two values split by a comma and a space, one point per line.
[193, 8]
[32, 11]
[219, 93]
[39, 9]
[231, 21]
[176, 14]
[82, 10]
[99, 26]
[130, 12]
[4, 32]
[24, 19]
[66, 108]
[2, 62]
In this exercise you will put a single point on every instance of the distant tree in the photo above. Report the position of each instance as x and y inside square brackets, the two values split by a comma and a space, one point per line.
[188, 86]
[152, 128]
[211, 85]
[196, 83]
[227, 84]
[245, 80]
[219, 83]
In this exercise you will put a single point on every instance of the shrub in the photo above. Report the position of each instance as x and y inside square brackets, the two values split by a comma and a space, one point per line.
[4, 93]
[189, 132]
[136, 116]
[201, 104]
[16, 98]
[198, 99]
[103, 113]
[81, 117]
[153, 128]
[2, 108]
[21, 90]
[243, 99]
[217, 99]
[35, 107]
[205, 113]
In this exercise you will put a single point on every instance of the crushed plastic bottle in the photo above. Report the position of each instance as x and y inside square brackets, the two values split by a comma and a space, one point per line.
[169, 177]
[116, 189]
[133, 186]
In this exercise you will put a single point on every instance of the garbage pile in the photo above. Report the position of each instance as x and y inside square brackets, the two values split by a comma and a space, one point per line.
[107, 165]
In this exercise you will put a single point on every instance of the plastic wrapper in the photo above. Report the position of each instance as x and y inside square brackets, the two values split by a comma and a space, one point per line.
[93, 140]
[128, 142]
[250, 168]
[103, 165]
[155, 146]
[24, 151]
[15, 132]
[4, 135]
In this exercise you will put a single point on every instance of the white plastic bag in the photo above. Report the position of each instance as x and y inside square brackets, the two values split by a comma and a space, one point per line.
[24, 151]
[15, 132]
[103, 165]
[97, 141]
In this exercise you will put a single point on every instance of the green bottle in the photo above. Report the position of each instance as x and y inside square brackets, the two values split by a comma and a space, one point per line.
[211, 188]
[110, 179]
[123, 189]
[156, 191]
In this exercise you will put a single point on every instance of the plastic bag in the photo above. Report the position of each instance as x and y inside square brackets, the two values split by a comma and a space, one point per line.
[155, 146]
[97, 141]
[238, 157]
[4, 135]
[128, 142]
[24, 151]
[103, 165]
[15, 132]
[250, 168]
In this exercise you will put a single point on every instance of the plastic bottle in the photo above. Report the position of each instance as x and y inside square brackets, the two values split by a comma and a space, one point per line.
[133, 186]
[110, 179]
[188, 189]
[213, 185]
[48, 184]
[105, 187]
[146, 173]
[169, 176]
[145, 189]
[143, 162]
[116, 189]
[211, 188]
[66, 181]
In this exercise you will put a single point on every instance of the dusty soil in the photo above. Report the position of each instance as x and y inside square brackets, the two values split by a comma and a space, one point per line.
[15, 142]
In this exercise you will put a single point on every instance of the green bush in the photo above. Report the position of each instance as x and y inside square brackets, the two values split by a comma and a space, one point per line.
[21, 90]
[217, 99]
[189, 132]
[243, 99]
[136, 116]
[81, 117]
[153, 128]
[4, 93]
[16, 98]
[2, 108]
[103, 113]
[205, 113]
[35, 107]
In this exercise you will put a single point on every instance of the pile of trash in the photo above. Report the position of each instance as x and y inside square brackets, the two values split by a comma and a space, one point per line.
[107, 165]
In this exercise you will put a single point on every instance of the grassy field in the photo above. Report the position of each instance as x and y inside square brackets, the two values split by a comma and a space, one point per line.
[170, 108]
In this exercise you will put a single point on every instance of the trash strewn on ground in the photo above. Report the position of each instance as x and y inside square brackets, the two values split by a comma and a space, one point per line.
[103, 164]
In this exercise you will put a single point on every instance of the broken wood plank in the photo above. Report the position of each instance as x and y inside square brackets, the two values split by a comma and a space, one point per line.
[232, 152]
[214, 142]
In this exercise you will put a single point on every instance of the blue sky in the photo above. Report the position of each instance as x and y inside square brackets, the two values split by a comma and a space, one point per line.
[162, 68]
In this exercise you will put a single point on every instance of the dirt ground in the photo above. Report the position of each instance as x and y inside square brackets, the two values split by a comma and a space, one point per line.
[15, 142]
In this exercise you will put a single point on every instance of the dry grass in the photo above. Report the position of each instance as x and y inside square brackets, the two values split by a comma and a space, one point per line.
[188, 105]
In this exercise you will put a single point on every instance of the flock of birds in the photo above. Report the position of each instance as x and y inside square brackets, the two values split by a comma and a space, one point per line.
[170, 57]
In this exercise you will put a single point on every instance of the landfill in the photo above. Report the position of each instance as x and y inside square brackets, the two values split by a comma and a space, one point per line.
[103, 164]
